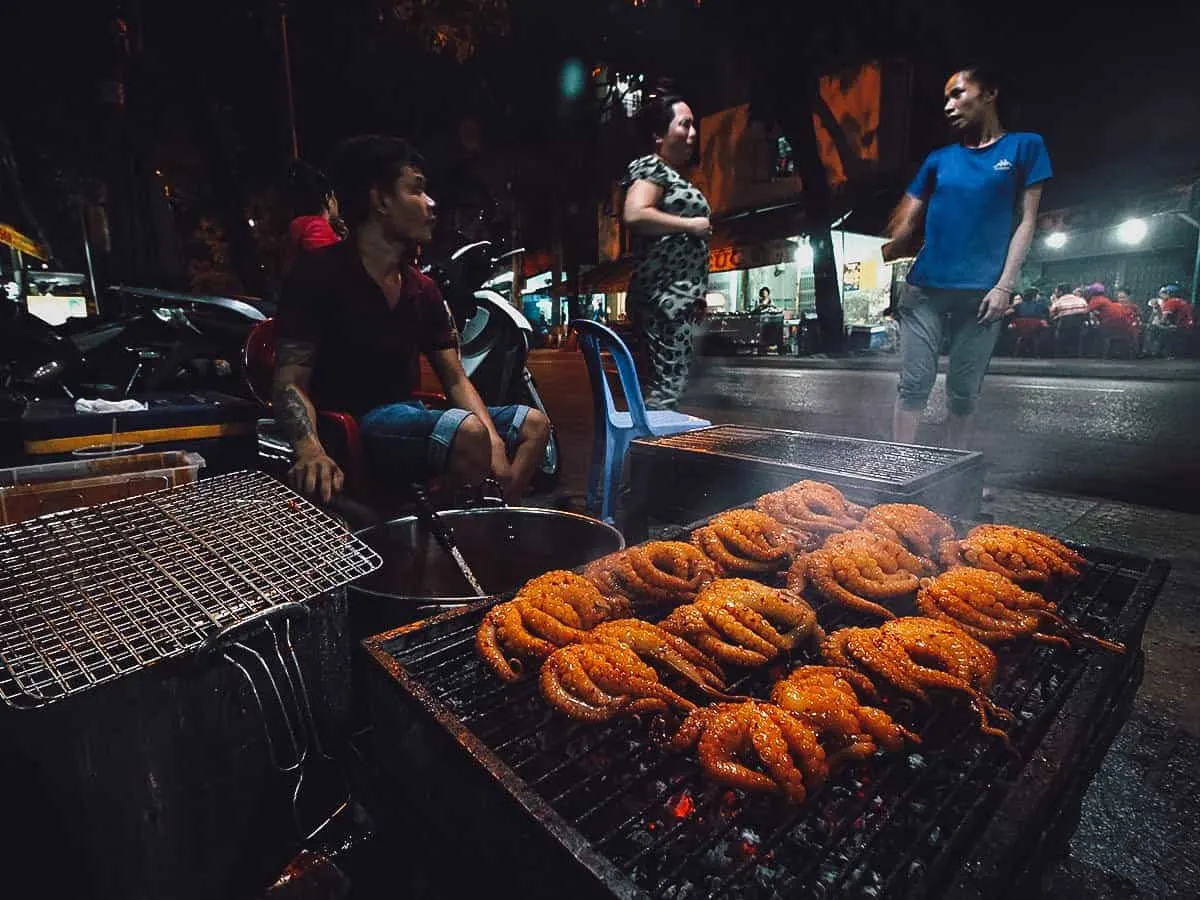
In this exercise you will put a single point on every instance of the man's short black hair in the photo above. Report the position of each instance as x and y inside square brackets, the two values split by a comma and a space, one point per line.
[763, 290]
[368, 161]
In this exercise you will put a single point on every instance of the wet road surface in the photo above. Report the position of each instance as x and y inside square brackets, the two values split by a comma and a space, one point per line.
[1129, 440]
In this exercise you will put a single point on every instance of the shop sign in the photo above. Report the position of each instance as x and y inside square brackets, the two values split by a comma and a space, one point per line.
[18, 241]
[753, 256]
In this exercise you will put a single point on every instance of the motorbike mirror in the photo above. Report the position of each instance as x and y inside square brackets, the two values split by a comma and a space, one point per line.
[509, 255]
[467, 248]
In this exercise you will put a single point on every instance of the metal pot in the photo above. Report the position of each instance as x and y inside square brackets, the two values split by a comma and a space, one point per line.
[505, 546]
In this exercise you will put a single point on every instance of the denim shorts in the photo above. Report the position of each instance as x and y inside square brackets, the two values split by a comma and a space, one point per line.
[925, 313]
[412, 441]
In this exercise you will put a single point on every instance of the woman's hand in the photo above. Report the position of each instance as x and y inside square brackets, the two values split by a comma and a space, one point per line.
[698, 226]
[993, 306]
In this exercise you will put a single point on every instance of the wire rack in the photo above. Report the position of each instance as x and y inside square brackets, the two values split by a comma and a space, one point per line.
[89, 595]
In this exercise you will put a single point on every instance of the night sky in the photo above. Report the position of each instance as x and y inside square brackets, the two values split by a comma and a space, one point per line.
[1115, 92]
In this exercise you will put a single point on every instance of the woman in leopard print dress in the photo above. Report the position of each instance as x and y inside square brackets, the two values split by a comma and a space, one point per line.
[668, 216]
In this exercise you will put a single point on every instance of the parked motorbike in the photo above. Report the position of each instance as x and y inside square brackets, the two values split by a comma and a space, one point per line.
[151, 341]
[495, 337]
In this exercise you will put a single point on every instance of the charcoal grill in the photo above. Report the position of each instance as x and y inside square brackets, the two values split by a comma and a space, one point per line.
[685, 477]
[554, 808]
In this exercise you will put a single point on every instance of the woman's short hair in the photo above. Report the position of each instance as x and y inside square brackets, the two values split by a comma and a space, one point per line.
[658, 112]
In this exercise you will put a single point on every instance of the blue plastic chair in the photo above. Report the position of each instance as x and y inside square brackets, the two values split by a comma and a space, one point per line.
[614, 430]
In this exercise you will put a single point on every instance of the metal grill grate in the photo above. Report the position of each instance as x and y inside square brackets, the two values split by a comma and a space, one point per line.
[899, 465]
[89, 595]
[896, 825]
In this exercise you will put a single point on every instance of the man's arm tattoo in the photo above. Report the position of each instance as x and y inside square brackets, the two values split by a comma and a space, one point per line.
[291, 413]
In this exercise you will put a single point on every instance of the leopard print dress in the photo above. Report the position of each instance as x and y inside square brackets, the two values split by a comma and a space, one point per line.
[669, 279]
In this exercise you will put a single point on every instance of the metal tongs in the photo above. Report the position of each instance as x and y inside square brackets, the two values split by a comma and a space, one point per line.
[301, 749]
[433, 522]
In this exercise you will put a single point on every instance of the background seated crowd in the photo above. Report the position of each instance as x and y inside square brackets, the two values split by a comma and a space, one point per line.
[1084, 319]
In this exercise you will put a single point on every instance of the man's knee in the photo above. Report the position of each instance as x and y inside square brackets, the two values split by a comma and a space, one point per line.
[535, 428]
[472, 447]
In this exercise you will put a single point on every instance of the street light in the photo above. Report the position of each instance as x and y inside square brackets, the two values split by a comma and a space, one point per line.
[1132, 231]
[804, 253]
[1056, 240]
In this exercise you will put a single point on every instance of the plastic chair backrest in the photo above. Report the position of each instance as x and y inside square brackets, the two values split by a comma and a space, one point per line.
[258, 359]
[594, 338]
[1027, 325]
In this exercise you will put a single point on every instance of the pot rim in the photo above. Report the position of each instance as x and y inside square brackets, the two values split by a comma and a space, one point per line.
[453, 602]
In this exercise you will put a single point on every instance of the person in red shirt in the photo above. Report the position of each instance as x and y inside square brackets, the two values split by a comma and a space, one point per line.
[1112, 318]
[1175, 310]
[1106, 312]
[1171, 323]
[316, 224]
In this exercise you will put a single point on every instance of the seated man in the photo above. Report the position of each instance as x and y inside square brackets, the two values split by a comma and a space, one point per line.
[353, 319]
[1172, 318]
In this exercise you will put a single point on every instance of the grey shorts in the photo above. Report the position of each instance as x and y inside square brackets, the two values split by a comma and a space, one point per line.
[925, 314]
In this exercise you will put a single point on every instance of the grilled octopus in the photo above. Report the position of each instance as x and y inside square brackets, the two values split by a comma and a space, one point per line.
[745, 542]
[917, 528]
[914, 654]
[1027, 557]
[550, 611]
[811, 507]
[655, 574]
[832, 701]
[596, 682]
[728, 735]
[655, 645]
[743, 623]
[994, 609]
[861, 570]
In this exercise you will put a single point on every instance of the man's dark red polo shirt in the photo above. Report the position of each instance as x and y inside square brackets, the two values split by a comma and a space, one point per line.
[367, 354]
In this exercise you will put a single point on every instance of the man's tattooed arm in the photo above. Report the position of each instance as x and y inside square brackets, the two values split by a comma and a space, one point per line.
[293, 410]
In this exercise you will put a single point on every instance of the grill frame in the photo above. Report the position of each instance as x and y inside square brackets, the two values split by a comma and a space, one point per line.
[88, 596]
[422, 731]
[704, 441]
[677, 479]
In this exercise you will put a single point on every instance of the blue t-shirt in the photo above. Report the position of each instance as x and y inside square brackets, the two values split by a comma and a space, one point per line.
[972, 198]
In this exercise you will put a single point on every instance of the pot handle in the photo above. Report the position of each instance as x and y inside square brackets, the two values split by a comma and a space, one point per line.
[490, 493]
